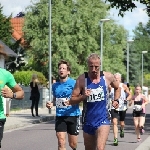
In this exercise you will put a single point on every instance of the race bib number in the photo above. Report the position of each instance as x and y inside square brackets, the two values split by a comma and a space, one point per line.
[60, 103]
[122, 105]
[96, 95]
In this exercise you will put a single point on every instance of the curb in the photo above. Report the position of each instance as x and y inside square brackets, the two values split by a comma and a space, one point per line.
[144, 145]
[40, 120]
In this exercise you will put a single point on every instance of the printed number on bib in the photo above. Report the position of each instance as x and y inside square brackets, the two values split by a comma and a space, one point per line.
[60, 103]
[96, 95]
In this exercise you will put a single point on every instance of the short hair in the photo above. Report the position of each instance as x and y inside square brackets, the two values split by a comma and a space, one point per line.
[65, 62]
[117, 74]
[93, 56]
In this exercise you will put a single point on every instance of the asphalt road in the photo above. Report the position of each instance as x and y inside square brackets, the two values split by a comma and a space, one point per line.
[42, 137]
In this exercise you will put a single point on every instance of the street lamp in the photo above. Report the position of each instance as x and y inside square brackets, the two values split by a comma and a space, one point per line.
[128, 42]
[143, 52]
[50, 54]
[101, 53]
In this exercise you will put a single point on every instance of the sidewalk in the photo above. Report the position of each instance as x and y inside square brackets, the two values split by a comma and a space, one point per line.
[23, 118]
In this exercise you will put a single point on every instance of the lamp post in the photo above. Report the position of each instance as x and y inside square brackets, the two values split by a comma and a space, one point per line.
[50, 54]
[143, 52]
[101, 53]
[128, 42]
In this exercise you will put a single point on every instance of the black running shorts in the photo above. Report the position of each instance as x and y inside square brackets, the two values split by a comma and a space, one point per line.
[138, 114]
[69, 124]
[116, 114]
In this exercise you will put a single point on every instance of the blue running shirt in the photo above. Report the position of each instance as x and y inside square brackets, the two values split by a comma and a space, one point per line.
[63, 91]
[97, 104]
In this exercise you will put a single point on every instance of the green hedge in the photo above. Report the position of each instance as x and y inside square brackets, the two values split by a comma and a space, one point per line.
[24, 77]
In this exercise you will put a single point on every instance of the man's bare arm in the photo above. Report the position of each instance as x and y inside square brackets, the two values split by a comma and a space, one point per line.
[128, 92]
[76, 94]
[16, 92]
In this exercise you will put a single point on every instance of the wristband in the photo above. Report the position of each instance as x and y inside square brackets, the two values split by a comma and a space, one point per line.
[14, 95]
[117, 100]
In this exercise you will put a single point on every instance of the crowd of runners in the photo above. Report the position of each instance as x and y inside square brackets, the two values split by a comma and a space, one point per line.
[105, 100]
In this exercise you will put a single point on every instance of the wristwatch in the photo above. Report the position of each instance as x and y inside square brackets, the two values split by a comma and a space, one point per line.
[14, 95]
[117, 100]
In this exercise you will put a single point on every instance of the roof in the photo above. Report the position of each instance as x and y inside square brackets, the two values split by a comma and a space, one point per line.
[7, 50]
[17, 26]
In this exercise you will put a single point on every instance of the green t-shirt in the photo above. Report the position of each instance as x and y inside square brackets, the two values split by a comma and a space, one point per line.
[6, 78]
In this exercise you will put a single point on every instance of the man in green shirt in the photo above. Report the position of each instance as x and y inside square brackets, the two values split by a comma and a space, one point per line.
[6, 78]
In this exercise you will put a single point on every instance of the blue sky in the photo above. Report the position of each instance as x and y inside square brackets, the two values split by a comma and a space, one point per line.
[129, 21]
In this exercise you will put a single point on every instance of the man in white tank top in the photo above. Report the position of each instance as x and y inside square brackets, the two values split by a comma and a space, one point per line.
[121, 110]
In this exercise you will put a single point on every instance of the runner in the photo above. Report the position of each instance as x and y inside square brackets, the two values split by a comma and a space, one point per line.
[140, 101]
[16, 92]
[94, 88]
[67, 117]
[121, 111]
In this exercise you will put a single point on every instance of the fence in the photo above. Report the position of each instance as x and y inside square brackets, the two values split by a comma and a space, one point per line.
[25, 103]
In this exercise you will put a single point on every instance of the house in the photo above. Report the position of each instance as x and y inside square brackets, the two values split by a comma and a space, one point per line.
[5, 50]
[17, 26]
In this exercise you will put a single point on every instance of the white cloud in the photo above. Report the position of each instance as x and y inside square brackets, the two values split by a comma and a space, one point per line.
[14, 6]
[131, 19]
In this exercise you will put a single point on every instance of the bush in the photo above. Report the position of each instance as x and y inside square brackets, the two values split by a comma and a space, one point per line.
[24, 77]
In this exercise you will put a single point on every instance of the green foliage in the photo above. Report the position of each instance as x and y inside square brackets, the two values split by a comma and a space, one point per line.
[75, 34]
[126, 5]
[141, 43]
[5, 28]
[147, 80]
[24, 77]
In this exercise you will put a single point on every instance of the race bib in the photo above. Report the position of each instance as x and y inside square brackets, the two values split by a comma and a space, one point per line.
[137, 107]
[96, 95]
[60, 103]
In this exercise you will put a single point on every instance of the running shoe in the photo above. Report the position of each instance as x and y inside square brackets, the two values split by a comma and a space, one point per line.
[121, 133]
[139, 139]
[142, 131]
[115, 142]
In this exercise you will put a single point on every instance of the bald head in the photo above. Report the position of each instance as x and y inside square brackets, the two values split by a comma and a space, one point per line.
[93, 56]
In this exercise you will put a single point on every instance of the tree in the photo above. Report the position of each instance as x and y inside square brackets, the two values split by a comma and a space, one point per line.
[75, 34]
[141, 43]
[5, 28]
[126, 5]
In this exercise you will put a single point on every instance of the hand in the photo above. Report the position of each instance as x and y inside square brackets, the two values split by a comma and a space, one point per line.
[87, 92]
[49, 105]
[67, 102]
[130, 102]
[115, 104]
[6, 93]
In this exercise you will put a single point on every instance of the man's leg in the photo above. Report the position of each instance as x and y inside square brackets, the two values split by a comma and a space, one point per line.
[114, 115]
[61, 129]
[73, 131]
[72, 139]
[61, 136]
[2, 122]
[122, 115]
[102, 135]
[89, 141]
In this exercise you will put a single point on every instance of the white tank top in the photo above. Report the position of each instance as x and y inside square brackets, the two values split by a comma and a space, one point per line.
[122, 98]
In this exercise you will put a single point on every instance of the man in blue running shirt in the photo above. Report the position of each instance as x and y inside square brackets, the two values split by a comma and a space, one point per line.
[67, 117]
[94, 88]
